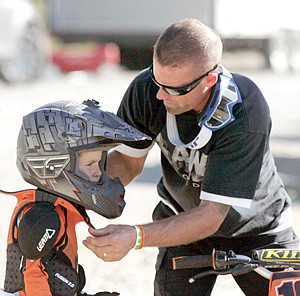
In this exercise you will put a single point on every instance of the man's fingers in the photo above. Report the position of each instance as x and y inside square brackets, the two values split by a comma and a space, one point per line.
[105, 253]
[100, 241]
[98, 232]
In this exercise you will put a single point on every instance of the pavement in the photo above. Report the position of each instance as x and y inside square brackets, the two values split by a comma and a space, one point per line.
[135, 273]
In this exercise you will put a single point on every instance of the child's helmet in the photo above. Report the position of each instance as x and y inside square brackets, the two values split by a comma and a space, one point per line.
[47, 152]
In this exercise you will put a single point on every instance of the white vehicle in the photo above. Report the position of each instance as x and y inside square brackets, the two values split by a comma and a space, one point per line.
[24, 43]
[271, 26]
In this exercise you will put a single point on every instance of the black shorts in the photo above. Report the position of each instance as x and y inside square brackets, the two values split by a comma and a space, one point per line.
[169, 282]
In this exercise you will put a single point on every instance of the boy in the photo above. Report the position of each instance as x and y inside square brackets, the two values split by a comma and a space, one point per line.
[62, 150]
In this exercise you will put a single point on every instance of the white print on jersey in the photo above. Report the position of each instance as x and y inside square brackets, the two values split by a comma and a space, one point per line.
[189, 163]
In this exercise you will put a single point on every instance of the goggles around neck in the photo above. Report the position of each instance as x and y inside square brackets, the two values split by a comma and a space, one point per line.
[183, 90]
[217, 114]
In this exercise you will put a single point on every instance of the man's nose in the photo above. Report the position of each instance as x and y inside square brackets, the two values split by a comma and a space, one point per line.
[162, 95]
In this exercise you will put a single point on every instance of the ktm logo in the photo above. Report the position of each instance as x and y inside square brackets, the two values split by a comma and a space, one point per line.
[285, 255]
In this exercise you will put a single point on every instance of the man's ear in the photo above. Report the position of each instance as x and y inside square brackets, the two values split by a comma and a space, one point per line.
[212, 79]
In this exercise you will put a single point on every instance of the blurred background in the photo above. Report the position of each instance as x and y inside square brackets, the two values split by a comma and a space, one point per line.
[92, 49]
[34, 32]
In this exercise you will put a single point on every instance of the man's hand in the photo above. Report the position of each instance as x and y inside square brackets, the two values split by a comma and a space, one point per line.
[111, 243]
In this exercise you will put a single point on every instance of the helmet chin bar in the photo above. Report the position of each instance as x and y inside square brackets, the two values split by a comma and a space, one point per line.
[106, 197]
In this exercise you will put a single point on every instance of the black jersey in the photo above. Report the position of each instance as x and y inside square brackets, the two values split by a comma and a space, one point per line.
[235, 167]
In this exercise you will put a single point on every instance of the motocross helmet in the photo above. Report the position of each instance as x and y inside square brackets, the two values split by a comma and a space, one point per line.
[49, 144]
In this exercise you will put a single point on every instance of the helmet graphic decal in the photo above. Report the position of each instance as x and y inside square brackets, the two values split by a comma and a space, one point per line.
[48, 167]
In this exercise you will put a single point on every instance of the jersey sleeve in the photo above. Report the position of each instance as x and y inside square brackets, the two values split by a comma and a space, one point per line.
[233, 170]
[133, 152]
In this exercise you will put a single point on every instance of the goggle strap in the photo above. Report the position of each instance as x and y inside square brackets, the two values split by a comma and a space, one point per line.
[200, 140]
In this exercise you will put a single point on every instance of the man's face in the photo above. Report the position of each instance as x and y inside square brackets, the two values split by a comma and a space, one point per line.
[177, 77]
[88, 163]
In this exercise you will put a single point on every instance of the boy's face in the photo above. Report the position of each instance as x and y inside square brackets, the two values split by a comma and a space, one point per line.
[88, 163]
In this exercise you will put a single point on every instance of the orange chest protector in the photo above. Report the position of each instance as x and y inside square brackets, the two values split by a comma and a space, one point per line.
[42, 250]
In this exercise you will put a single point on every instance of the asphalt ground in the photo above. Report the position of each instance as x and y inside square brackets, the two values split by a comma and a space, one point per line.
[134, 275]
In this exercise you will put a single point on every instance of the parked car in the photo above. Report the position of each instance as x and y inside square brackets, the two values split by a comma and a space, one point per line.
[24, 41]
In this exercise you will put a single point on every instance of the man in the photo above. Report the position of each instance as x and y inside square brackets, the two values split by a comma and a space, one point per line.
[220, 188]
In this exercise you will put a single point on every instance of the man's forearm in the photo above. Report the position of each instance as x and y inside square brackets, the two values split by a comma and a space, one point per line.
[113, 242]
[187, 227]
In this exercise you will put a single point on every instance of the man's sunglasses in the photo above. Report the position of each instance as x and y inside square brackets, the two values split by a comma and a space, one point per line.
[179, 91]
